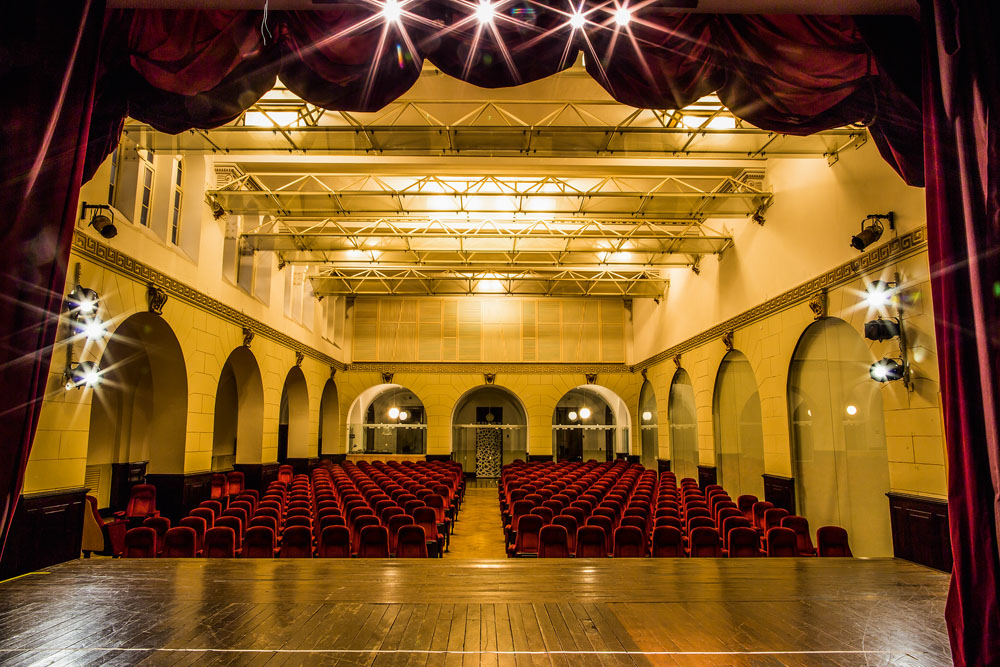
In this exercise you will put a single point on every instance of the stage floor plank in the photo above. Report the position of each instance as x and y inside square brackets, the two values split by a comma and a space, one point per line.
[469, 612]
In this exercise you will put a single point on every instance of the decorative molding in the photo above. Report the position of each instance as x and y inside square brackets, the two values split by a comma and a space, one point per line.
[591, 378]
[299, 358]
[490, 378]
[483, 368]
[818, 304]
[247, 336]
[103, 254]
[727, 340]
[387, 377]
[677, 361]
[333, 372]
[643, 374]
[156, 299]
[894, 250]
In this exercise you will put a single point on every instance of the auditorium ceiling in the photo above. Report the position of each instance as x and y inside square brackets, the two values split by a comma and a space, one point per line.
[549, 188]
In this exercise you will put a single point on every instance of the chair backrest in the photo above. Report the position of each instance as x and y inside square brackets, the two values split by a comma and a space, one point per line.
[705, 543]
[667, 521]
[180, 542]
[832, 541]
[699, 521]
[285, 474]
[773, 517]
[140, 543]
[591, 542]
[633, 520]
[570, 523]
[528, 528]
[782, 543]
[758, 513]
[723, 505]
[299, 521]
[801, 527]
[411, 542]
[142, 501]
[412, 505]
[161, 525]
[733, 522]
[388, 513]
[743, 541]
[258, 542]
[360, 524]
[395, 523]
[745, 504]
[726, 512]
[630, 542]
[577, 513]
[553, 542]
[198, 525]
[545, 513]
[244, 505]
[237, 512]
[237, 527]
[667, 542]
[426, 518]
[220, 543]
[262, 520]
[334, 542]
[217, 486]
[206, 514]
[695, 512]
[374, 542]
[234, 483]
[296, 542]
[213, 505]
[605, 524]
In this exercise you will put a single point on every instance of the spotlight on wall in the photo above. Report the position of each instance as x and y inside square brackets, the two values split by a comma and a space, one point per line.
[83, 305]
[103, 223]
[871, 232]
[391, 11]
[887, 370]
[81, 374]
[881, 330]
[622, 16]
[584, 413]
[485, 12]
[577, 21]
[572, 415]
[879, 294]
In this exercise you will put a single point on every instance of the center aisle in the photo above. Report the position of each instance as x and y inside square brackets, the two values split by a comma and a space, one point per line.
[478, 531]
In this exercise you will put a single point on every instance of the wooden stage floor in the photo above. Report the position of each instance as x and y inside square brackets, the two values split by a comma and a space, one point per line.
[469, 612]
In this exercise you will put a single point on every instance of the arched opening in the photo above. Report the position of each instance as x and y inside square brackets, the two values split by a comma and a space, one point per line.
[739, 437]
[238, 435]
[648, 426]
[489, 430]
[138, 414]
[293, 417]
[329, 419]
[387, 419]
[683, 418]
[839, 456]
[590, 422]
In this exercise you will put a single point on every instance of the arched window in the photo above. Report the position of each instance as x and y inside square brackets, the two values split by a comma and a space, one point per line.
[293, 417]
[683, 426]
[237, 436]
[739, 437]
[329, 419]
[648, 426]
[387, 419]
[489, 430]
[590, 422]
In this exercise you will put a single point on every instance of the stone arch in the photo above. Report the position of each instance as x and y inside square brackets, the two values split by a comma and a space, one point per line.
[238, 433]
[648, 426]
[682, 414]
[509, 427]
[738, 432]
[293, 417]
[329, 419]
[601, 435]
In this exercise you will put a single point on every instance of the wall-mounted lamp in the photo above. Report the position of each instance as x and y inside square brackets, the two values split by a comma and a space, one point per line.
[104, 224]
[647, 415]
[880, 329]
[888, 370]
[572, 415]
[872, 232]
[584, 413]
[880, 295]
[80, 374]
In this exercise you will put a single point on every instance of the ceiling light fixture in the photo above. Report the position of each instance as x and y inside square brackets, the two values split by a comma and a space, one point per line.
[622, 17]
[872, 232]
[391, 11]
[577, 21]
[584, 413]
[572, 415]
[104, 224]
[485, 12]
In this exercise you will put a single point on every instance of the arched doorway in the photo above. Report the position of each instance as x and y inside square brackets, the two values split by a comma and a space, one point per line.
[238, 435]
[293, 417]
[387, 419]
[839, 456]
[138, 413]
[329, 419]
[590, 422]
[489, 430]
[648, 426]
[682, 413]
[739, 436]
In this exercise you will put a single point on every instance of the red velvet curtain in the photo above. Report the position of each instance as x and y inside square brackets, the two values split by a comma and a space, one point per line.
[962, 160]
[47, 72]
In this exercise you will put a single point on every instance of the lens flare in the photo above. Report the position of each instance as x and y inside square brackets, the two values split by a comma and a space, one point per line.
[485, 12]
[622, 17]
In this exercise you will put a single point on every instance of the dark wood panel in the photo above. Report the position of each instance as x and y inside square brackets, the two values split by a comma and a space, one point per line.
[257, 475]
[302, 466]
[47, 528]
[540, 458]
[920, 530]
[707, 475]
[662, 465]
[178, 493]
[123, 477]
[780, 491]
[437, 457]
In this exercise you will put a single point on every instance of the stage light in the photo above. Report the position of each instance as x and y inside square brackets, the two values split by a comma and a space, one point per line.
[881, 330]
[647, 415]
[622, 16]
[403, 415]
[584, 413]
[93, 329]
[878, 294]
[391, 11]
[104, 224]
[887, 370]
[81, 374]
[852, 410]
[871, 232]
[82, 301]
[393, 412]
[577, 21]
[485, 12]
[572, 416]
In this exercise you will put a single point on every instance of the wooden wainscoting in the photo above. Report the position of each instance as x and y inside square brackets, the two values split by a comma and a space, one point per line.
[47, 529]
[780, 491]
[920, 530]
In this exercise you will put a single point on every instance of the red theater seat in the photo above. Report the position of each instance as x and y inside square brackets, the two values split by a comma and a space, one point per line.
[220, 543]
[197, 524]
[781, 543]
[801, 527]
[258, 542]
[140, 543]
[630, 542]
[161, 525]
[141, 502]
[180, 542]
[591, 542]
[296, 542]
[667, 542]
[334, 542]
[553, 542]
[831, 541]
[411, 542]
[743, 541]
[526, 543]
[705, 543]
[570, 524]
[374, 542]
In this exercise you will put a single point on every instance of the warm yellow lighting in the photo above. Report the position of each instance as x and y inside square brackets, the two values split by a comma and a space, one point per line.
[492, 286]
[703, 123]
[485, 12]
[576, 21]
[584, 413]
[391, 11]
[623, 16]
[272, 119]
[393, 412]
[852, 410]
[572, 416]
[647, 415]
[403, 415]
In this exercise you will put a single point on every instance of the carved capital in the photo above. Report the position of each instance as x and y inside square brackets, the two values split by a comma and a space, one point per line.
[643, 374]
[299, 358]
[387, 378]
[727, 340]
[490, 378]
[591, 378]
[818, 304]
[677, 361]
[156, 298]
